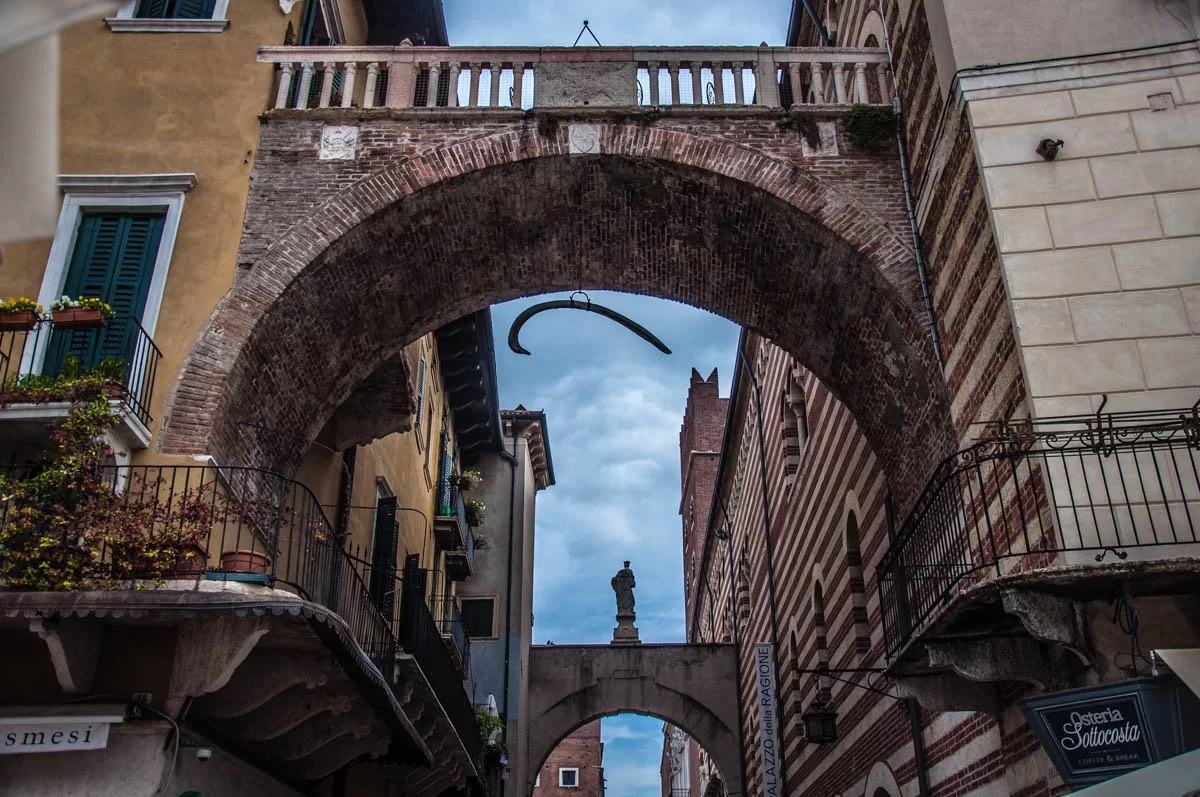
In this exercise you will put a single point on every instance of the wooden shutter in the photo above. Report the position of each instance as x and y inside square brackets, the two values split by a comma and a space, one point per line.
[383, 558]
[113, 259]
[193, 9]
[420, 395]
[152, 8]
[478, 617]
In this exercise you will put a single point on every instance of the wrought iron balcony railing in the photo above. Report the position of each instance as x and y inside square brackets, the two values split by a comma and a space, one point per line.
[42, 363]
[449, 623]
[1060, 492]
[551, 77]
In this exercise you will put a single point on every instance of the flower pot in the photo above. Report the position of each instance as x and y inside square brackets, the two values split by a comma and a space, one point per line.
[78, 318]
[191, 560]
[243, 561]
[20, 322]
[114, 389]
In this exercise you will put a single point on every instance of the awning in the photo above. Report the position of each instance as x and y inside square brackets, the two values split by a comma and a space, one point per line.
[1175, 777]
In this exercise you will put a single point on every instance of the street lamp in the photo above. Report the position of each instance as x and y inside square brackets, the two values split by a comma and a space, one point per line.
[820, 723]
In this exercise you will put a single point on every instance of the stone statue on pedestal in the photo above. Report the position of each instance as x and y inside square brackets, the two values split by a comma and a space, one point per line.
[626, 632]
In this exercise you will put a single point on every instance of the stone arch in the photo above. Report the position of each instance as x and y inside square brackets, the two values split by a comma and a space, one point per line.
[784, 251]
[680, 684]
[881, 782]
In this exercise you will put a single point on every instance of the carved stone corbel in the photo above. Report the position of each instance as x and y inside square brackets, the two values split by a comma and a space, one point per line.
[949, 692]
[264, 675]
[342, 751]
[206, 654]
[74, 646]
[1051, 619]
[1003, 659]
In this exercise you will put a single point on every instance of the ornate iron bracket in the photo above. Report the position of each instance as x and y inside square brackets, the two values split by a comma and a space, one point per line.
[514, 331]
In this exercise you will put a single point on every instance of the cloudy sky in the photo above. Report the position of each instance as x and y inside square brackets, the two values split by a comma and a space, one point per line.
[614, 403]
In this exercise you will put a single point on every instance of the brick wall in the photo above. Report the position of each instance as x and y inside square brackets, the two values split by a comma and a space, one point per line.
[582, 750]
[699, 450]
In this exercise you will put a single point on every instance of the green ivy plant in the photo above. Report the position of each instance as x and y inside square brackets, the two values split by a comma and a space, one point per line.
[871, 127]
[491, 732]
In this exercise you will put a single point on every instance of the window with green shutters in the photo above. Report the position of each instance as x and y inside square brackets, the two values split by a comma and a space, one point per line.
[383, 557]
[478, 617]
[113, 259]
[175, 9]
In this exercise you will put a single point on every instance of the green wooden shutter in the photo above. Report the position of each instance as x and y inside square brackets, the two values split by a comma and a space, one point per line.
[383, 558]
[152, 8]
[176, 9]
[113, 259]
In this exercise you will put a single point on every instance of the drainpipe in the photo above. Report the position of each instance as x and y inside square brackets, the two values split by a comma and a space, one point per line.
[511, 459]
[914, 724]
[909, 207]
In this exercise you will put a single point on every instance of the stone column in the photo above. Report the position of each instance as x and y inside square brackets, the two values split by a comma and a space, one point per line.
[306, 75]
[697, 83]
[673, 69]
[372, 85]
[839, 84]
[327, 70]
[473, 97]
[452, 88]
[860, 84]
[285, 84]
[348, 84]
[435, 72]
[797, 84]
[739, 83]
[496, 69]
[885, 84]
[718, 70]
[817, 73]
[652, 69]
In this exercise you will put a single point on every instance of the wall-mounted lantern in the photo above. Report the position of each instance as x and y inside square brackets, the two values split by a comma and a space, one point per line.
[820, 723]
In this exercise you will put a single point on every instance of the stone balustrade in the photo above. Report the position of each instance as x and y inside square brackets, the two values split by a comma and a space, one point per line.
[572, 77]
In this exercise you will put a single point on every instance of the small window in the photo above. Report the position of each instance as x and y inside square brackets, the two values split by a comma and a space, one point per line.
[479, 617]
[175, 9]
[568, 777]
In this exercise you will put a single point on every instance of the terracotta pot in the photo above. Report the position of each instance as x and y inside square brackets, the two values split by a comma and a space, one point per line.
[20, 322]
[243, 561]
[78, 318]
[114, 389]
[192, 560]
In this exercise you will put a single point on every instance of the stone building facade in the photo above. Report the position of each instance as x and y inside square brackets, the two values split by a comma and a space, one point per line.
[575, 768]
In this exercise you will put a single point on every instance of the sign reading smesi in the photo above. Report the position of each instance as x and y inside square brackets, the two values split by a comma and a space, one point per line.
[768, 725]
[38, 736]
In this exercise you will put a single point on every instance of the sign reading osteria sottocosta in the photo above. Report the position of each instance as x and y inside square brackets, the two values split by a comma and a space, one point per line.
[1100, 732]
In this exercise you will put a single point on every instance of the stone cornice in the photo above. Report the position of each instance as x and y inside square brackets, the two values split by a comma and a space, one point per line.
[181, 182]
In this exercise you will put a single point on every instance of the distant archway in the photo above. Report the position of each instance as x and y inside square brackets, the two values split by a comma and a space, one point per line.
[685, 685]
[325, 306]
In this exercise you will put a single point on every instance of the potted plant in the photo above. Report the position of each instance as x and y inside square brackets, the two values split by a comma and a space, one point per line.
[84, 312]
[245, 560]
[19, 314]
[468, 480]
[475, 511]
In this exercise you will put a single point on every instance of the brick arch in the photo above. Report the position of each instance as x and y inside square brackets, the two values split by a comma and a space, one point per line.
[785, 251]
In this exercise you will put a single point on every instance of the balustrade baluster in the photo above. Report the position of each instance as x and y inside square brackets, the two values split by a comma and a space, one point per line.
[518, 83]
[817, 73]
[285, 84]
[739, 83]
[839, 85]
[652, 71]
[718, 73]
[348, 84]
[697, 82]
[372, 85]
[431, 98]
[306, 75]
[673, 69]
[473, 94]
[885, 84]
[860, 84]
[452, 86]
[327, 70]
[797, 84]
[495, 68]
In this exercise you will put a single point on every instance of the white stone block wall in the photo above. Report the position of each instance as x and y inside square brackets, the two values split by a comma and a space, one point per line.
[1101, 247]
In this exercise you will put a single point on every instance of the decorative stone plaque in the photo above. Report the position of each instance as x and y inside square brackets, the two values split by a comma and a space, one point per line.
[338, 143]
[583, 139]
[829, 146]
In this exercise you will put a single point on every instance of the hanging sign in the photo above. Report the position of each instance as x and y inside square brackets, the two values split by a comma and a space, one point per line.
[768, 721]
[1099, 732]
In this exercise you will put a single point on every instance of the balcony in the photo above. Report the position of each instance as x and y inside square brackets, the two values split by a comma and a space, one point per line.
[1040, 518]
[44, 368]
[448, 620]
[712, 78]
[453, 533]
[170, 547]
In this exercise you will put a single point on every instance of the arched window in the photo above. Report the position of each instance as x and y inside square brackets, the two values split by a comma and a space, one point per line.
[858, 587]
[794, 416]
[743, 596]
[818, 611]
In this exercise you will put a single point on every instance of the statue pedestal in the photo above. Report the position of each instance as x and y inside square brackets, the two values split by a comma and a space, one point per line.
[626, 632]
